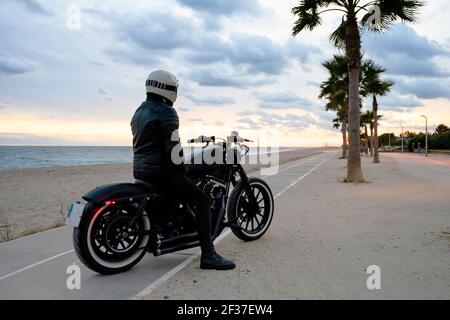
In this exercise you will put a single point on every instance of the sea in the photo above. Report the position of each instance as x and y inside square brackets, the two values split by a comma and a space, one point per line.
[18, 157]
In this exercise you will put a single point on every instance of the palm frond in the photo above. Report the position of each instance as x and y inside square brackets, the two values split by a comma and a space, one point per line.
[391, 11]
[308, 14]
[337, 38]
[371, 82]
[306, 20]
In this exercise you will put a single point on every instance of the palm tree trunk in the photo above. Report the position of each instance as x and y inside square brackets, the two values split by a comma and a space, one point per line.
[371, 139]
[344, 139]
[376, 156]
[366, 142]
[353, 51]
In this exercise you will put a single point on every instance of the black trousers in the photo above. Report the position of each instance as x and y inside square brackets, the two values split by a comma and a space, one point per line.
[185, 191]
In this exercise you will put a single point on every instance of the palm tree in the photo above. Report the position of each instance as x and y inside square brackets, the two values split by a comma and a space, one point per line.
[372, 126]
[334, 89]
[340, 122]
[372, 84]
[348, 35]
[366, 118]
[442, 128]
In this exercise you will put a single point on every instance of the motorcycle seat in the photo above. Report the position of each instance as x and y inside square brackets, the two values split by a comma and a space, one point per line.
[161, 203]
[198, 169]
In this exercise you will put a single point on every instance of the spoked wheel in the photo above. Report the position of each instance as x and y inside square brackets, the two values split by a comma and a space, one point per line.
[114, 235]
[251, 221]
[111, 239]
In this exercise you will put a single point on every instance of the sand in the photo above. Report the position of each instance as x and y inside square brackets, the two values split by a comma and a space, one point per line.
[326, 233]
[33, 200]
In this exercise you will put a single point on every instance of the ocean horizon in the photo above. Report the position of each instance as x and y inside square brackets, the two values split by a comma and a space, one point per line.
[20, 157]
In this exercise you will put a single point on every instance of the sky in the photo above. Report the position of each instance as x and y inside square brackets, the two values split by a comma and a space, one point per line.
[69, 79]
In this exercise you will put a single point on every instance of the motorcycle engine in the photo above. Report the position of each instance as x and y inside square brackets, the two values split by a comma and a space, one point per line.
[215, 191]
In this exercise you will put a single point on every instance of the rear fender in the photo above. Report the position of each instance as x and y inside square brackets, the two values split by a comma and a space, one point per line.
[113, 191]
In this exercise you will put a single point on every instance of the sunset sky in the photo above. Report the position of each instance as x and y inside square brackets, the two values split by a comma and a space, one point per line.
[238, 66]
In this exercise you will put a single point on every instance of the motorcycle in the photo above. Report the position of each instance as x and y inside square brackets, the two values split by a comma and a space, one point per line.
[115, 225]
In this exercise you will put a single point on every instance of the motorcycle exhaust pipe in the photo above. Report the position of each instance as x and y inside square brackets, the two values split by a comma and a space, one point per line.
[177, 247]
[190, 237]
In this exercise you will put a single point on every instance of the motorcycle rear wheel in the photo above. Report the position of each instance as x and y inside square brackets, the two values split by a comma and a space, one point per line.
[105, 242]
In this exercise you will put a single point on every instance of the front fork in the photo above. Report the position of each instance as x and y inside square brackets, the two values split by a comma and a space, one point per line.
[248, 189]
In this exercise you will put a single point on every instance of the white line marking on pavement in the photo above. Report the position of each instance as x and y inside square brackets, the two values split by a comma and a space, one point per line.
[186, 262]
[175, 270]
[165, 277]
[30, 236]
[35, 265]
[303, 176]
[291, 166]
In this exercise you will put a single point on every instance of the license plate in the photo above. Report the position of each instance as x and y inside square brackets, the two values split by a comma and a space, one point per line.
[74, 213]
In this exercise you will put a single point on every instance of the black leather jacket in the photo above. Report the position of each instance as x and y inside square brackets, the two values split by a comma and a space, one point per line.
[155, 137]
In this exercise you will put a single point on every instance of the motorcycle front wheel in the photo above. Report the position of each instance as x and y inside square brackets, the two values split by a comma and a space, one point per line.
[110, 239]
[250, 223]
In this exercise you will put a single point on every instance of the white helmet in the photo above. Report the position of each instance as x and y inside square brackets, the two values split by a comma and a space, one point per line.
[162, 83]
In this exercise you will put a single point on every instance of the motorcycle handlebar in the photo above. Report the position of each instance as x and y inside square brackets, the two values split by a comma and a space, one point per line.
[233, 138]
[201, 139]
[239, 139]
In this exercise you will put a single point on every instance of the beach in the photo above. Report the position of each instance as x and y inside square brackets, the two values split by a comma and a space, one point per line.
[36, 199]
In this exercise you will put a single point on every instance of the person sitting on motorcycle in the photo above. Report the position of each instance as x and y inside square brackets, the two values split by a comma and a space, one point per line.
[155, 138]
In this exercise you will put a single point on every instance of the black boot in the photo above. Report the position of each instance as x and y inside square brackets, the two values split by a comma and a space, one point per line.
[211, 260]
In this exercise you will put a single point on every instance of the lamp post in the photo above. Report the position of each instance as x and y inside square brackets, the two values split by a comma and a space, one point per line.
[426, 135]
[402, 136]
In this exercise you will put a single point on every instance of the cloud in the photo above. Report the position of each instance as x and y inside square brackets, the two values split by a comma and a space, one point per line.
[256, 54]
[245, 113]
[34, 7]
[157, 30]
[291, 122]
[424, 88]
[128, 55]
[105, 93]
[153, 39]
[405, 40]
[96, 63]
[397, 102]
[249, 123]
[403, 52]
[147, 38]
[152, 35]
[10, 65]
[302, 52]
[183, 109]
[284, 100]
[213, 13]
[222, 7]
[7, 138]
[214, 101]
[217, 77]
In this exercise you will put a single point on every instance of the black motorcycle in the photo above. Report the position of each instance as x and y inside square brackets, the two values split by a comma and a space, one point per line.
[118, 223]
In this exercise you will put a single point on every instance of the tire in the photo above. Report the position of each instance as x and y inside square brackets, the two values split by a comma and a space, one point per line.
[86, 246]
[236, 212]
